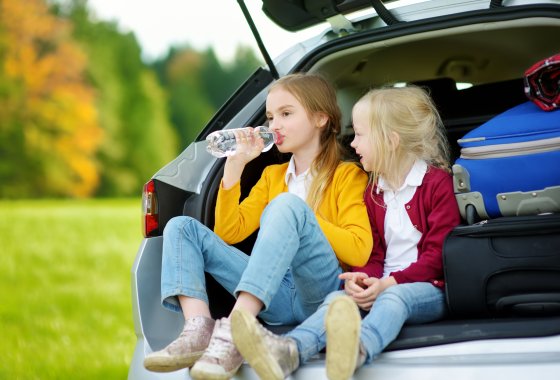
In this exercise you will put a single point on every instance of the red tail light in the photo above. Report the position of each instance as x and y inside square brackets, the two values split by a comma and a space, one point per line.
[150, 210]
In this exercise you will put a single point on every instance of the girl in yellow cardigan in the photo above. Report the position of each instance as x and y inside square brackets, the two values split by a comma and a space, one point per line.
[311, 218]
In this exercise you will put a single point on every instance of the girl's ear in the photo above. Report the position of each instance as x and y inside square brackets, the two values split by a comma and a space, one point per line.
[321, 119]
[395, 140]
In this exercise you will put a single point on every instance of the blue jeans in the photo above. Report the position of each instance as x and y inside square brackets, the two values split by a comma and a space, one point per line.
[292, 267]
[418, 302]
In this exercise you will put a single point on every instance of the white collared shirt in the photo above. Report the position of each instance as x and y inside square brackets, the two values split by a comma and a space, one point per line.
[297, 184]
[400, 235]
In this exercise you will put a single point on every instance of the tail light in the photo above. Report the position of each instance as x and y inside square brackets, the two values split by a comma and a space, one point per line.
[150, 210]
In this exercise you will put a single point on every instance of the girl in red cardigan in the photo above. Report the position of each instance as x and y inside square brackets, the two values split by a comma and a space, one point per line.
[401, 142]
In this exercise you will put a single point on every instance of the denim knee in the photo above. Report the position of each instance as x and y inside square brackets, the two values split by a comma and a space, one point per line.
[396, 295]
[286, 201]
[174, 224]
[332, 296]
[419, 302]
[177, 225]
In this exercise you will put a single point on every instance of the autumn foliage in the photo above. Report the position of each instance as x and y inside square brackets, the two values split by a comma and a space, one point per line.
[81, 113]
[49, 130]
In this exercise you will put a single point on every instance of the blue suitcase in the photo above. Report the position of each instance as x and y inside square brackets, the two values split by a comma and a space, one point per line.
[510, 165]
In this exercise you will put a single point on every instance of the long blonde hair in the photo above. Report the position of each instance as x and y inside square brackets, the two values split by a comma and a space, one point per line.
[317, 95]
[410, 113]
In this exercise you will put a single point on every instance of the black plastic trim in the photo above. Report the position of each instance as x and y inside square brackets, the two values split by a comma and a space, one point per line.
[384, 13]
[454, 331]
[170, 199]
[496, 3]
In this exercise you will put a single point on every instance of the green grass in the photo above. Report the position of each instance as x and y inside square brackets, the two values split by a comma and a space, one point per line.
[65, 305]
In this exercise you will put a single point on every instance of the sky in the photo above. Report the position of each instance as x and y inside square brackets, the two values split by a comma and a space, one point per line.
[160, 24]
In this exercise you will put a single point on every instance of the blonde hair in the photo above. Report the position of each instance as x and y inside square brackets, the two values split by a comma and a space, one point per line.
[410, 113]
[317, 95]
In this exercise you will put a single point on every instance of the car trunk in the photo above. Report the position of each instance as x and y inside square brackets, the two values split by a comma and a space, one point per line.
[461, 110]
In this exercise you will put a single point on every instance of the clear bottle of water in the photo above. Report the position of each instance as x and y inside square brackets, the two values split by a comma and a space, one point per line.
[223, 144]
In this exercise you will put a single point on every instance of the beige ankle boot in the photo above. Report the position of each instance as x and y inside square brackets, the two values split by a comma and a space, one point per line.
[344, 351]
[184, 351]
[221, 360]
[273, 357]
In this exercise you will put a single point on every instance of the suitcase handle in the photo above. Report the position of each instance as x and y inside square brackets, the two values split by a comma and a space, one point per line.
[536, 303]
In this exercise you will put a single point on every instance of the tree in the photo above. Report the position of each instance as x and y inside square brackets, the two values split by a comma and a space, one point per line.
[222, 79]
[82, 115]
[49, 129]
[188, 99]
[132, 105]
[198, 84]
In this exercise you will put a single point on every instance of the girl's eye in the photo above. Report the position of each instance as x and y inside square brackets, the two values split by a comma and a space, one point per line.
[285, 113]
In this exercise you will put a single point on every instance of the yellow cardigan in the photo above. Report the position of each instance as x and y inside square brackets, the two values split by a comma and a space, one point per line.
[342, 214]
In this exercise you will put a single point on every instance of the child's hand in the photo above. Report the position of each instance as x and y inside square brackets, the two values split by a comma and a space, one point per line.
[374, 287]
[353, 282]
[249, 145]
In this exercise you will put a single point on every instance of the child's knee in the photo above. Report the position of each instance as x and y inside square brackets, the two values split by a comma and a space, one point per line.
[287, 200]
[284, 204]
[393, 294]
[332, 296]
[176, 223]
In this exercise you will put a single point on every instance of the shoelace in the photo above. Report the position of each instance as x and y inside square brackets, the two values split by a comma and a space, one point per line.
[221, 342]
[218, 347]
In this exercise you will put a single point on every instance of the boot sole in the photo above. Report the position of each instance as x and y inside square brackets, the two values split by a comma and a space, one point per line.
[206, 371]
[249, 341]
[342, 322]
[170, 364]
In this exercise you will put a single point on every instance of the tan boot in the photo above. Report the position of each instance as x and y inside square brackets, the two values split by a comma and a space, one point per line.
[344, 352]
[273, 357]
[221, 360]
[184, 351]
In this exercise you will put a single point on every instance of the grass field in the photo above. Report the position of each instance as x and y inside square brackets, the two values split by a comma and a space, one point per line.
[65, 308]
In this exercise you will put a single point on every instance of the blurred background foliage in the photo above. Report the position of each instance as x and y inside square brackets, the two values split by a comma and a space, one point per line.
[82, 115]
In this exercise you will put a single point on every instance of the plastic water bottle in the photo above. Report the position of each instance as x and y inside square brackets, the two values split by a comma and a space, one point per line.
[223, 144]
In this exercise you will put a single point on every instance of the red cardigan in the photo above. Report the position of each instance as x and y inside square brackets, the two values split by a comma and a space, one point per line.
[433, 211]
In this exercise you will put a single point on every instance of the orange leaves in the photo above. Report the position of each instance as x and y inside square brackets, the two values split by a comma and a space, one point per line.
[49, 99]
